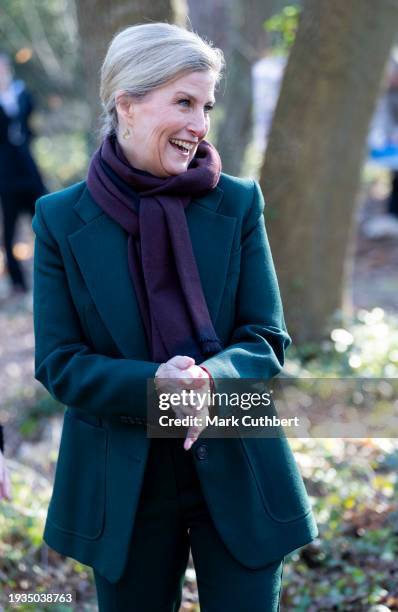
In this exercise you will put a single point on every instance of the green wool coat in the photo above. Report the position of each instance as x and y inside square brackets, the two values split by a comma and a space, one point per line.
[92, 355]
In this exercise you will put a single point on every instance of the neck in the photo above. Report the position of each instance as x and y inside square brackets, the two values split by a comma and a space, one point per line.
[132, 159]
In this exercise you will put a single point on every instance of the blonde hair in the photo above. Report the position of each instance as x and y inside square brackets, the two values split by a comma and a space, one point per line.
[145, 56]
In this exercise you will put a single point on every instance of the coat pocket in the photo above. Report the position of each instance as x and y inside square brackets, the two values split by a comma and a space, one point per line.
[278, 478]
[78, 502]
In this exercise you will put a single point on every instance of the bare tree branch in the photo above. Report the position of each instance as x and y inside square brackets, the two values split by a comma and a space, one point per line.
[42, 46]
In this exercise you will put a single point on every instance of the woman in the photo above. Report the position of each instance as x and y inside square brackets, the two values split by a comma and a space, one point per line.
[20, 181]
[158, 267]
[5, 486]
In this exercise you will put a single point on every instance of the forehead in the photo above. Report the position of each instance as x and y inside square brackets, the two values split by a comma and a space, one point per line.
[198, 84]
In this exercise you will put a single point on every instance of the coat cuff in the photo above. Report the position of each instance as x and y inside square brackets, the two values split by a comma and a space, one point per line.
[212, 385]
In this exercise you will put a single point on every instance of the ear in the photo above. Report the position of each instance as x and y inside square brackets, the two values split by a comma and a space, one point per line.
[124, 105]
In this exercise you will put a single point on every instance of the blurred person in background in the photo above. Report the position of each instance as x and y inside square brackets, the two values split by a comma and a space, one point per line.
[383, 145]
[392, 133]
[5, 486]
[20, 180]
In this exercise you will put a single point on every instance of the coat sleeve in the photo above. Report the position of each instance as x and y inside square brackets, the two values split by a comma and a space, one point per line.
[66, 366]
[260, 338]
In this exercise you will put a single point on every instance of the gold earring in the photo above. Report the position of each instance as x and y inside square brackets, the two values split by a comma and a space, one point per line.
[126, 134]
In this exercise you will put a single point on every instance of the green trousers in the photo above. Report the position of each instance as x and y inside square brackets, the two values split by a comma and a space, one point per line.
[172, 518]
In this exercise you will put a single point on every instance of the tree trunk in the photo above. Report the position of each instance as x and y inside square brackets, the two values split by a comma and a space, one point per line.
[235, 130]
[311, 170]
[243, 40]
[100, 20]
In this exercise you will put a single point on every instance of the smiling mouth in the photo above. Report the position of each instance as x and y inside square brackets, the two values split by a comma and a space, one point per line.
[182, 145]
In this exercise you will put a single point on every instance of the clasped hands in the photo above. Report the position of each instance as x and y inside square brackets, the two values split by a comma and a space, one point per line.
[178, 373]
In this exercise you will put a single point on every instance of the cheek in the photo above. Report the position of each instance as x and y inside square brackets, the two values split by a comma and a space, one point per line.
[152, 140]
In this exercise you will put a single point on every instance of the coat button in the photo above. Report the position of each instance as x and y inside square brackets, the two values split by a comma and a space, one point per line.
[202, 452]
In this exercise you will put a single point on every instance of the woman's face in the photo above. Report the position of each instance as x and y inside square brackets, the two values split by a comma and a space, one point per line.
[177, 111]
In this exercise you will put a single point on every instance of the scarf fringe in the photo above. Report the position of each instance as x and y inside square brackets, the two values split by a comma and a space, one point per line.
[210, 346]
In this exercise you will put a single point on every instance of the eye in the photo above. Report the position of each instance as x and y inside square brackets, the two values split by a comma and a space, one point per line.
[184, 102]
[209, 108]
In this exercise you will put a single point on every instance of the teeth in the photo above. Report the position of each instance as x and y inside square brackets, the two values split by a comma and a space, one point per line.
[187, 145]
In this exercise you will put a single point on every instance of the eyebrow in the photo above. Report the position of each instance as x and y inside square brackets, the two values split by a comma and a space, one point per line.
[188, 95]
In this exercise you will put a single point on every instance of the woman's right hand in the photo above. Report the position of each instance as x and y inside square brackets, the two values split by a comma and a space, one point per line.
[5, 485]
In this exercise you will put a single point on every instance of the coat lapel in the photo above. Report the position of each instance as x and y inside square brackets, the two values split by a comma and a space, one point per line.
[100, 249]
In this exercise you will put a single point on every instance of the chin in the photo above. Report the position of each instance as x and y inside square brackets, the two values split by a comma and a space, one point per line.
[174, 169]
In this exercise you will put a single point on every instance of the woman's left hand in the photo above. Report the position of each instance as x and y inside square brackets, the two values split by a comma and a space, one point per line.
[5, 484]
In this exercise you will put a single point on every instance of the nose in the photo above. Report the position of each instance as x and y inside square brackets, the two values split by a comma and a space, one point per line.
[199, 124]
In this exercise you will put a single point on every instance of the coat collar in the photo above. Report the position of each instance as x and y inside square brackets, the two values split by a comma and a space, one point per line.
[87, 208]
[100, 249]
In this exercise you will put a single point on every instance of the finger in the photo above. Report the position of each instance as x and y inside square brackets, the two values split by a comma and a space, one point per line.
[188, 443]
[193, 374]
[181, 361]
[192, 435]
[199, 382]
[186, 377]
[184, 410]
[189, 440]
[179, 411]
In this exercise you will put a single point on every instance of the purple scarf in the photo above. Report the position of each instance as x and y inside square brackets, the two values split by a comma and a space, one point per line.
[160, 256]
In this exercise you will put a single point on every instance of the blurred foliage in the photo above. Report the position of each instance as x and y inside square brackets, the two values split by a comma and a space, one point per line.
[31, 426]
[63, 158]
[352, 564]
[26, 563]
[352, 483]
[282, 28]
[366, 345]
[42, 38]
